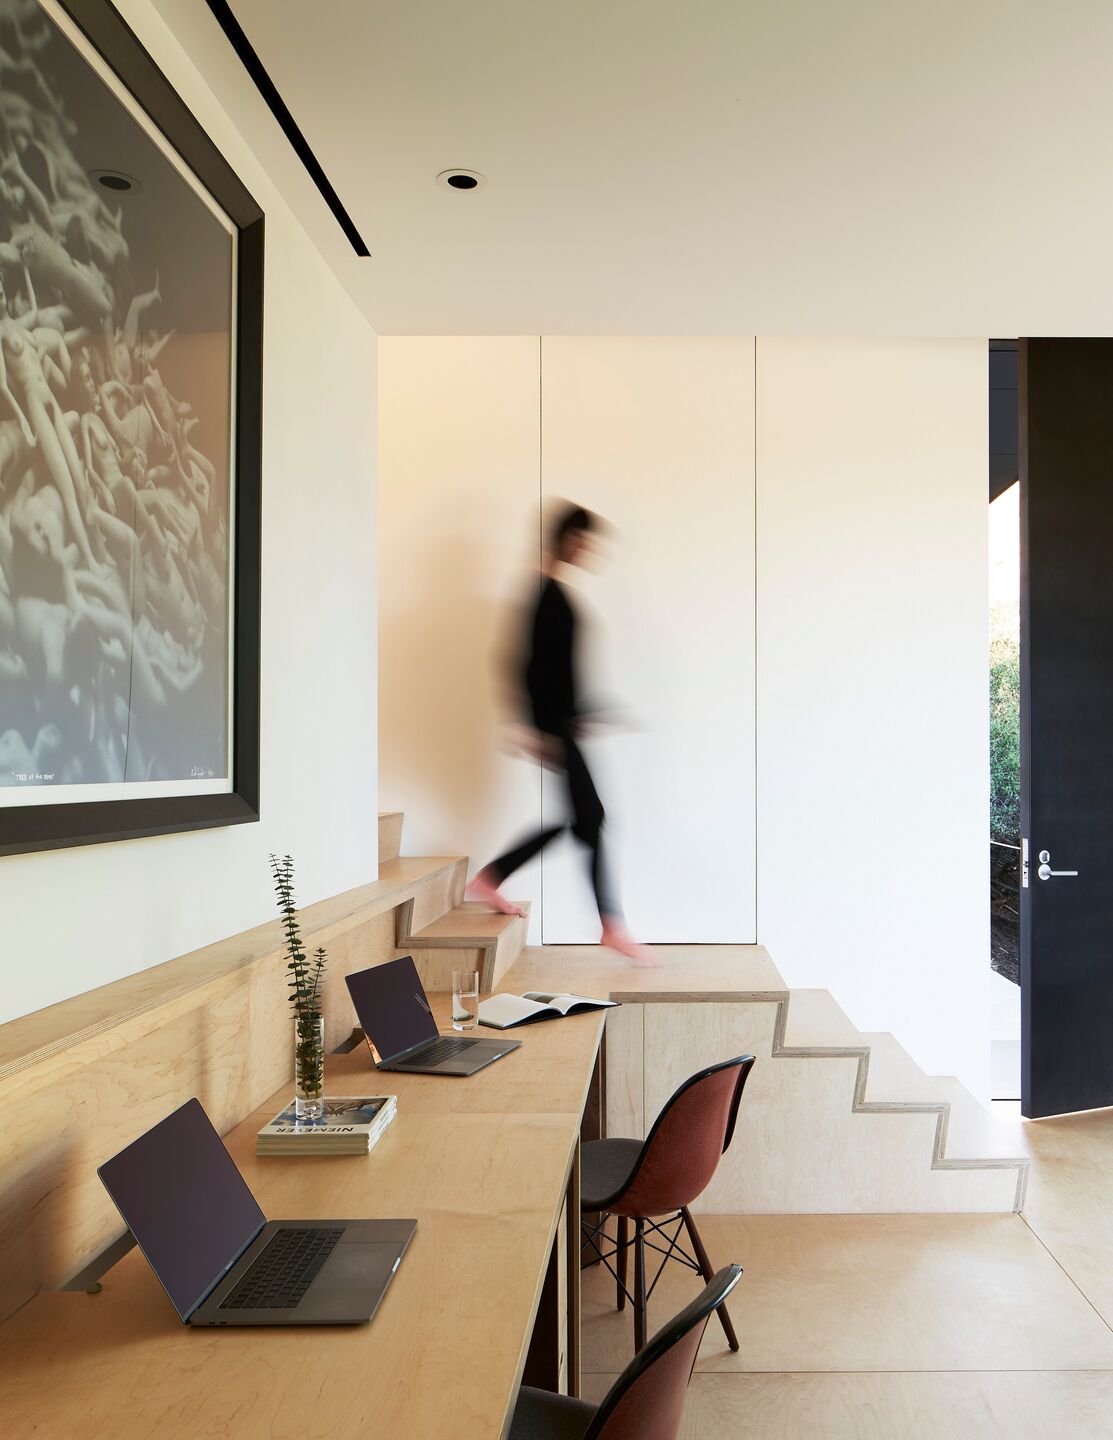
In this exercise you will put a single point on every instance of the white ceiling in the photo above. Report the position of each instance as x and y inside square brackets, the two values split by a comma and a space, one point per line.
[710, 166]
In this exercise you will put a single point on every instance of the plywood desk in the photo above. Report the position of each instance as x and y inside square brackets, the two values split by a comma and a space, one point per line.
[483, 1163]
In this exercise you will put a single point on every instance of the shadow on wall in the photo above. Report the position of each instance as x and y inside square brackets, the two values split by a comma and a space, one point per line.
[446, 632]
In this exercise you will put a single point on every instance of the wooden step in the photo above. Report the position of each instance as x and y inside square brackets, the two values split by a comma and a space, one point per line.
[390, 835]
[972, 1129]
[815, 1020]
[468, 933]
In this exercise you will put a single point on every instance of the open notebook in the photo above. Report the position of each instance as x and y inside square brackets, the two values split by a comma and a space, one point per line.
[501, 1012]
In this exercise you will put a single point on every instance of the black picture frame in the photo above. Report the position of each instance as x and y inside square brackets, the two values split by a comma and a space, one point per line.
[28, 828]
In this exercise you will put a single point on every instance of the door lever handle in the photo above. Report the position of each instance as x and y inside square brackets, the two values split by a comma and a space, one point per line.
[1045, 871]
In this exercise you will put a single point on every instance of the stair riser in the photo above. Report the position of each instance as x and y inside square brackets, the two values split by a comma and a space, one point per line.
[390, 836]
[436, 966]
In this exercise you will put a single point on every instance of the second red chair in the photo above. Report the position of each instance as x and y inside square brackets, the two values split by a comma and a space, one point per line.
[653, 1182]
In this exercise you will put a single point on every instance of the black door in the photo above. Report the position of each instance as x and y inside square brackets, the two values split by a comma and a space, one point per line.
[1066, 659]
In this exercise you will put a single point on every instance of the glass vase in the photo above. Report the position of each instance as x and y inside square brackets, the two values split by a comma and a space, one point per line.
[309, 1069]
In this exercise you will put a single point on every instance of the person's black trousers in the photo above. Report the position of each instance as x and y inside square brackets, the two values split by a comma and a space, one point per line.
[586, 824]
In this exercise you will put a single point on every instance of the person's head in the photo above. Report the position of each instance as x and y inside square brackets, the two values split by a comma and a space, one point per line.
[573, 533]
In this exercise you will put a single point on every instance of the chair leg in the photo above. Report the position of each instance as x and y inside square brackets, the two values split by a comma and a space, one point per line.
[639, 1285]
[707, 1272]
[589, 1253]
[623, 1250]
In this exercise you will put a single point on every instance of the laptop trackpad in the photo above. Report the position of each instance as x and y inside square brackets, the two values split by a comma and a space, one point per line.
[359, 1265]
[352, 1280]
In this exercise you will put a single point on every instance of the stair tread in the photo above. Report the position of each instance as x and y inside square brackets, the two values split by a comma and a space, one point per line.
[415, 867]
[973, 1132]
[390, 835]
[469, 920]
[815, 1019]
[893, 1074]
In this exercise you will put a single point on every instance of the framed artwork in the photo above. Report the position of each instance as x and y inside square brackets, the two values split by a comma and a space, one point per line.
[131, 291]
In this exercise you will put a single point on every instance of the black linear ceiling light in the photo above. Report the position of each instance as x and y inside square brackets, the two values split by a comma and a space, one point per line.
[278, 108]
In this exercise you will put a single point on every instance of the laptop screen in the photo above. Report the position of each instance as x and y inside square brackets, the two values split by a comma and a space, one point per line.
[391, 1006]
[185, 1202]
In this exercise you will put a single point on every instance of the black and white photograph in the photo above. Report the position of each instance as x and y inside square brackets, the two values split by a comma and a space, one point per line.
[117, 346]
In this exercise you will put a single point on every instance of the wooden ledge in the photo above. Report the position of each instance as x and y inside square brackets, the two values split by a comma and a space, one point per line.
[116, 1012]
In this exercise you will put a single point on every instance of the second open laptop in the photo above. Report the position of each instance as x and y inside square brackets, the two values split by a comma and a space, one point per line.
[394, 1014]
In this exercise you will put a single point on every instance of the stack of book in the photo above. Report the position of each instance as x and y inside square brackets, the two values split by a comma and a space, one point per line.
[352, 1125]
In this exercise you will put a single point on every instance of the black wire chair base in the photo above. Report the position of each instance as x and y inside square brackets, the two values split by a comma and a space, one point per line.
[591, 1235]
[594, 1238]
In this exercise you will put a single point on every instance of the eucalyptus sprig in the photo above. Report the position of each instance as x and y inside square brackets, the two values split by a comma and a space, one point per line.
[306, 974]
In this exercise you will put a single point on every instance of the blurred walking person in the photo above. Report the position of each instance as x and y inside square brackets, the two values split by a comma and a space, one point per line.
[546, 684]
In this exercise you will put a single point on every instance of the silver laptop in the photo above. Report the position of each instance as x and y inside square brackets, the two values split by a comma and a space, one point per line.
[394, 1014]
[217, 1256]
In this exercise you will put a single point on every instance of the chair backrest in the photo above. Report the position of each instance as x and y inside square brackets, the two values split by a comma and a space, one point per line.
[682, 1150]
[646, 1402]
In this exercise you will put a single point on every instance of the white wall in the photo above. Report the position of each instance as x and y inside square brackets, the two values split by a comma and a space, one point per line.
[873, 717]
[872, 640]
[475, 433]
[76, 919]
[460, 447]
[657, 435]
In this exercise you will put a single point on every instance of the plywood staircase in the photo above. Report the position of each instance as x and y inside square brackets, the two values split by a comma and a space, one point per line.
[974, 1164]
[840, 1121]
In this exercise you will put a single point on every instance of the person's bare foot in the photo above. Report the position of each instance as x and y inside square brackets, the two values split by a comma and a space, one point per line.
[616, 937]
[481, 889]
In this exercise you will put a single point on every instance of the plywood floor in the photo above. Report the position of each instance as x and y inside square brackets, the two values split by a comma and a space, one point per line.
[907, 1327]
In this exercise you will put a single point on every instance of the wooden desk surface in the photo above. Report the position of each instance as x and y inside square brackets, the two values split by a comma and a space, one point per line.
[482, 1164]
[549, 1074]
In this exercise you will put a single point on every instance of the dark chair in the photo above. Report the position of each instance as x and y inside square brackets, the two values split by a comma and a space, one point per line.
[660, 1177]
[646, 1402]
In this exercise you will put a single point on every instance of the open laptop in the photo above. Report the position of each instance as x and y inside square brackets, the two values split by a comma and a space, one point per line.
[394, 1013]
[218, 1257]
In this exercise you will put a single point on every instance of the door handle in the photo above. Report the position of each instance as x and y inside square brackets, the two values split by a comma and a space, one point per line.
[1045, 871]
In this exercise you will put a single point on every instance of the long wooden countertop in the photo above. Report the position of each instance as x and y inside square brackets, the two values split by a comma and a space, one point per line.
[482, 1163]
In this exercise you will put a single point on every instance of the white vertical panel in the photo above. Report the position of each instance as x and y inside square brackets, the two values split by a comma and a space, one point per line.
[458, 512]
[657, 435]
[873, 674]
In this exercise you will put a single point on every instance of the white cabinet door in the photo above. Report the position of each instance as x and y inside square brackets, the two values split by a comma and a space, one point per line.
[657, 435]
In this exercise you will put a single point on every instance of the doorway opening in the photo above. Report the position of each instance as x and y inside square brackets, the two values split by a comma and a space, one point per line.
[1004, 719]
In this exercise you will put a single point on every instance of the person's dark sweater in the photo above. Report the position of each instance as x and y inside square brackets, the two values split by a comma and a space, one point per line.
[550, 674]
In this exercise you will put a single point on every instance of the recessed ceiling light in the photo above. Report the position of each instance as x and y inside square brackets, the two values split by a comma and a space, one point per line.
[458, 179]
[114, 180]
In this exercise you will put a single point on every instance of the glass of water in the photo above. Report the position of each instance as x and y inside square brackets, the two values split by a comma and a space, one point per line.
[465, 999]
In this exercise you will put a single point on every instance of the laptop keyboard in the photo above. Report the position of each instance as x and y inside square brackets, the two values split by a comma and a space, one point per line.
[284, 1271]
[444, 1049]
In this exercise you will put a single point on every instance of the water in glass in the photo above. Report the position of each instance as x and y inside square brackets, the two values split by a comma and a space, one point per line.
[465, 999]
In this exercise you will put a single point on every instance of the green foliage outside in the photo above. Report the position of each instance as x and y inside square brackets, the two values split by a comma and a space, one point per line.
[1004, 737]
